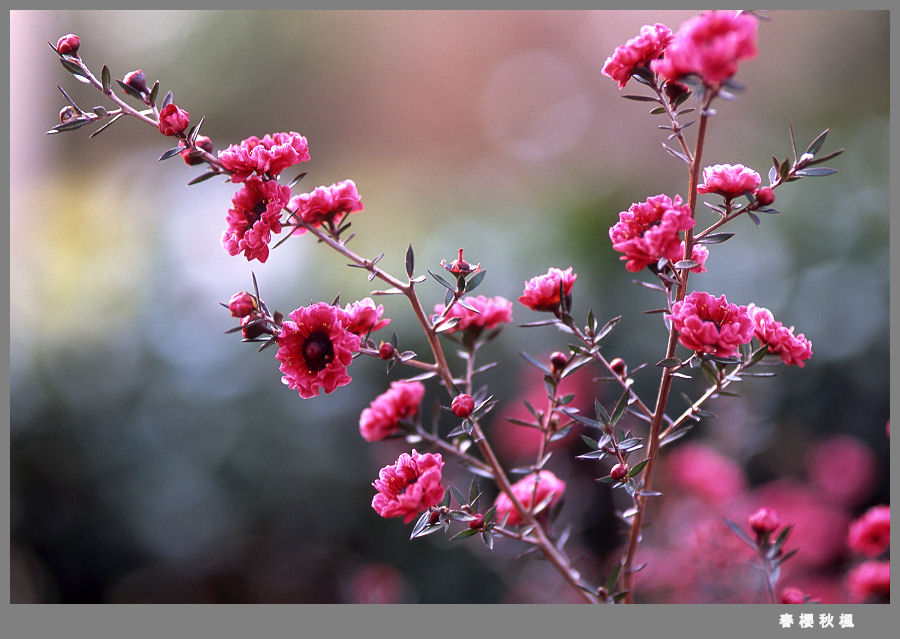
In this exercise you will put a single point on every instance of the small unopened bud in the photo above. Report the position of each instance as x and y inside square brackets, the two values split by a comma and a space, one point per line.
[68, 113]
[460, 267]
[558, 361]
[136, 80]
[462, 405]
[241, 304]
[765, 196]
[619, 472]
[192, 156]
[253, 325]
[434, 516]
[674, 90]
[386, 350]
[68, 45]
[172, 120]
[476, 523]
[618, 366]
[764, 521]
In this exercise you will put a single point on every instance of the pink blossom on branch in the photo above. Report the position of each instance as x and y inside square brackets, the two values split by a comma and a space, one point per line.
[241, 304]
[870, 580]
[792, 349]
[491, 313]
[315, 349]
[410, 486]
[542, 293]
[707, 324]
[326, 204]
[68, 45]
[255, 214]
[729, 180]
[267, 156]
[365, 316]
[702, 471]
[549, 487]
[172, 120]
[870, 535]
[382, 417]
[650, 230]
[639, 51]
[710, 46]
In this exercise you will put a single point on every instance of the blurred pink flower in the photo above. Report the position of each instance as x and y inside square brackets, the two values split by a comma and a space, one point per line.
[870, 535]
[856, 479]
[728, 180]
[639, 51]
[764, 521]
[793, 596]
[267, 156]
[254, 215]
[365, 316]
[408, 487]
[707, 324]
[705, 472]
[492, 311]
[377, 584]
[315, 349]
[650, 230]
[542, 486]
[709, 45]
[542, 292]
[326, 204]
[381, 418]
[870, 580]
[792, 349]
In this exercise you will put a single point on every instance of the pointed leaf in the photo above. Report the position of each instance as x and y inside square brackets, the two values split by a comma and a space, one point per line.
[167, 100]
[105, 78]
[741, 533]
[130, 90]
[153, 93]
[534, 362]
[442, 281]
[820, 171]
[816, 144]
[619, 410]
[410, 261]
[715, 238]
[202, 178]
[475, 280]
[171, 153]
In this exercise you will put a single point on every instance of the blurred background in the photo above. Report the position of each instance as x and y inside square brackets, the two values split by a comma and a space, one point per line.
[155, 459]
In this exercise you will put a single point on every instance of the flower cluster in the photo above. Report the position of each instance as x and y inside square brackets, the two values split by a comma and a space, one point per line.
[326, 204]
[542, 489]
[542, 293]
[650, 230]
[489, 313]
[382, 417]
[792, 349]
[410, 486]
[639, 51]
[254, 215]
[315, 348]
[710, 46]
[268, 156]
[707, 324]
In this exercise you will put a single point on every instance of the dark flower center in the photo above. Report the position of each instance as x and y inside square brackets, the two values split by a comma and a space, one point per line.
[318, 351]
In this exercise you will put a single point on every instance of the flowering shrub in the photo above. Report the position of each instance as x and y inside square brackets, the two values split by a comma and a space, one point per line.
[660, 238]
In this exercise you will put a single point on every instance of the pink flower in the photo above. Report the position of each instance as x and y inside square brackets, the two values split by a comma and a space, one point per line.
[401, 401]
[729, 180]
[764, 521]
[639, 51]
[255, 214]
[326, 204]
[709, 45]
[271, 155]
[870, 579]
[699, 253]
[412, 485]
[649, 230]
[793, 596]
[377, 584]
[549, 490]
[492, 311]
[870, 535]
[711, 325]
[365, 316]
[241, 304]
[792, 349]
[542, 292]
[173, 120]
[315, 349]
[856, 477]
[705, 472]
[462, 405]
[68, 45]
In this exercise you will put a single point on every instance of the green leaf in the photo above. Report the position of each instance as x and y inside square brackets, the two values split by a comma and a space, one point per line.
[592, 443]
[754, 217]
[534, 362]
[69, 126]
[102, 128]
[600, 412]
[793, 141]
[488, 538]
[658, 111]
[715, 238]
[825, 158]
[410, 261]
[456, 493]
[678, 154]
[167, 100]
[105, 78]
[815, 172]
[420, 524]
[442, 281]
[669, 362]
[740, 533]
[638, 467]
[587, 421]
[130, 90]
[473, 491]
[195, 132]
[816, 144]
[642, 98]
[202, 178]
[686, 264]
[619, 410]
[467, 532]
[475, 280]
[612, 578]
[608, 327]
[154, 92]
[170, 153]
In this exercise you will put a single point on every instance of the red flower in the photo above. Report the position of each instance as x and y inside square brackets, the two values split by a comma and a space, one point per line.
[383, 415]
[707, 324]
[549, 490]
[792, 349]
[254, 215]
[542, 292]
[764, 521]
[365, 316]
[172, 120]
[649, 230]
[870, 579]
[315, 349]
[870, 535]
[639, 51]
[410, 486]
[491, 312]
[270, 155]
[241, 304]
[729, 180]
[462, 405]
[709, 45]
[326, 204]
[68, 45]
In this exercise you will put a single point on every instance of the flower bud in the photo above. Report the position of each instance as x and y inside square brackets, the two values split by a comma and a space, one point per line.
[172, 120]
[558, 361]
[136, 80]
[674, 90]
[192, 156]
[460, 267]
[476, 523]
[619, 472]
[434, 516]
[618, 366]
[765, 196]
[68, 113]
[253, 326]
[763, 521]
[462, 405]
[68, 45]
[241, 304]
[386, 350]
[793, 596]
